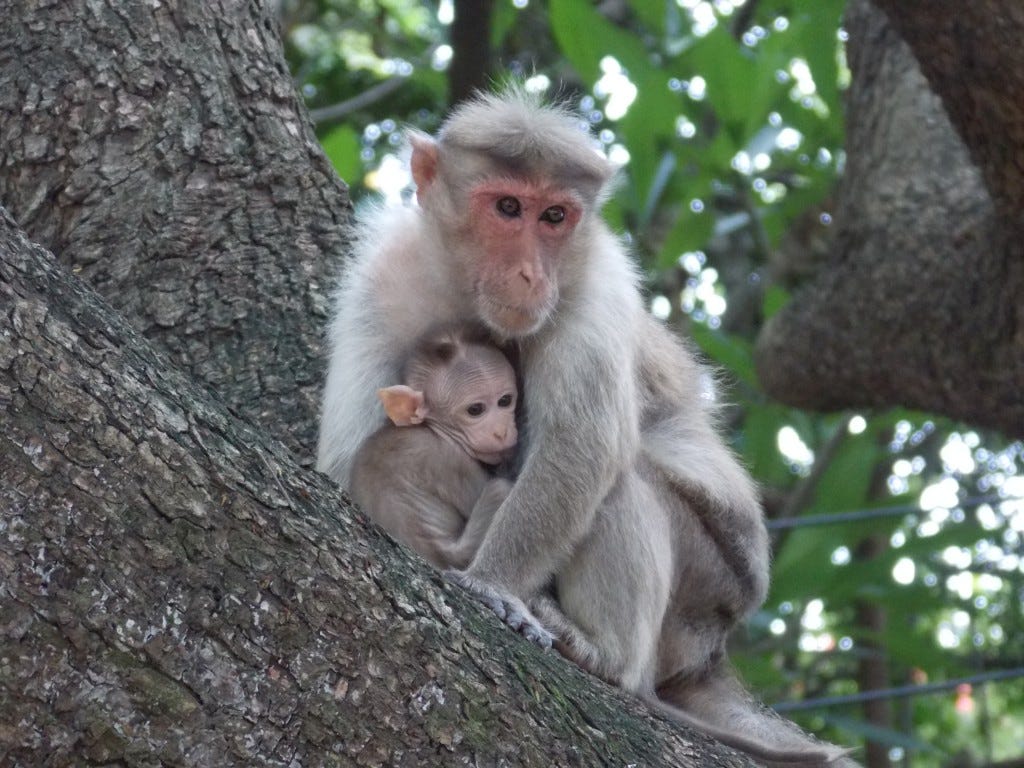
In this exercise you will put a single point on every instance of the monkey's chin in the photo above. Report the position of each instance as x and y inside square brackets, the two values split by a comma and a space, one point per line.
[491, 459]
[512, 322]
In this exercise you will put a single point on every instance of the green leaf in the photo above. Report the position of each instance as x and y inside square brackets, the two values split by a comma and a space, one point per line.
[585, 37]
[759, 444]
[734, 352]
[657, 16]
[806, 551]
[816, 29]
[504, 18]
[690, 232]
[648, 127]
[341, 145]
[737, 90]
[775, 298]
[846, 482]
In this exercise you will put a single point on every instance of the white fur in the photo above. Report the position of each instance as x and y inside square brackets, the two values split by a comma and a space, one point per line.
[375, 321]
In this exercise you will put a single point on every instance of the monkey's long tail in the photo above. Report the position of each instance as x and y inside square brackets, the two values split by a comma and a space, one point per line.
[720, 707]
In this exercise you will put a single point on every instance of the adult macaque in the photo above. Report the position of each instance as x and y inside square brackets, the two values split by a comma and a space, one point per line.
[422, 478]
[627, 500]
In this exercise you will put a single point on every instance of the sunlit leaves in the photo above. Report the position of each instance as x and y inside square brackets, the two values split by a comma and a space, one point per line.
[739, 88]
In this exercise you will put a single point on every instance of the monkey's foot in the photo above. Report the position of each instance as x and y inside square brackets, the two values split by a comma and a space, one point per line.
[508, 607]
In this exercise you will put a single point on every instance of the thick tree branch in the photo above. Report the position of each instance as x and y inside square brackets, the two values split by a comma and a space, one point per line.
[470, 35]
[173, 588]
[972, 55]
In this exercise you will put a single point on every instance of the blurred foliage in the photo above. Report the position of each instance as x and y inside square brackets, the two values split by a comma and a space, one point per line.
[727, 118]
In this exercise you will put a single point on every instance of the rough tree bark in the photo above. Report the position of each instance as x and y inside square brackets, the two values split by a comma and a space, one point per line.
[161, 150]
[920, 302]
[972, 57]
[174, 588]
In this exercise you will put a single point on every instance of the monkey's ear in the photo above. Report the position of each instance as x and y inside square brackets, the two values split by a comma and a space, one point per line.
[403, 405]
[423, 160]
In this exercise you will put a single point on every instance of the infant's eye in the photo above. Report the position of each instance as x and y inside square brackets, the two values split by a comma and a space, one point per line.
[475, 409]
[505, 401]
[553, 215]
[509, 207]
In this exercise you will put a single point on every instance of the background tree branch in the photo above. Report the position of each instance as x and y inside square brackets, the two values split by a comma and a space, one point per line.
[922, 255]
[470, 37]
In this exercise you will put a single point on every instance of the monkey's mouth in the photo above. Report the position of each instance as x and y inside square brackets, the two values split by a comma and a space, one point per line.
[512, 321]
[492, 457]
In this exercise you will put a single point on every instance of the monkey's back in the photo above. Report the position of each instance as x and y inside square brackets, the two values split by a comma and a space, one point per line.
[417, 486]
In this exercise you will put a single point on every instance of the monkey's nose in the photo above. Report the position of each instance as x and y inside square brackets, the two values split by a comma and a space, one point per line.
[528, 270]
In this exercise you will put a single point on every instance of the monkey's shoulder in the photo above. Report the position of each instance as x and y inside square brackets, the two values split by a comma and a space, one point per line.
[418, 455]
[397, 262]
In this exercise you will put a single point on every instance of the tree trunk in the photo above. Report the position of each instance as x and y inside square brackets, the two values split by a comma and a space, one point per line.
[920, 302]
[161, 151]
[973, 59]
[470, 35]
[175, 589]
[873, 663]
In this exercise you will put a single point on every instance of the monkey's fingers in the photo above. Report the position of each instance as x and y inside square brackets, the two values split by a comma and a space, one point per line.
[535, 633]
[507, 607]
[481, 592]
[526, 624]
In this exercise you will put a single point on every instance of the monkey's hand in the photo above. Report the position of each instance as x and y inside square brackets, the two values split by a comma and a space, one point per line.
[509, 608]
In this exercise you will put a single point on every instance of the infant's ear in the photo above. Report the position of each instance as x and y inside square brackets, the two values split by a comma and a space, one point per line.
[403, 405]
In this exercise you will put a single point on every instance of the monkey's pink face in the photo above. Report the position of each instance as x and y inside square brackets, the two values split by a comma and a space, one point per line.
[520, 231]
[488, 423]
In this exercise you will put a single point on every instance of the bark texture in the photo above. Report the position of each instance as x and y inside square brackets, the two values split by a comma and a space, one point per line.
[920, 302]
[175, 590]
[972, 56]
[161, 151]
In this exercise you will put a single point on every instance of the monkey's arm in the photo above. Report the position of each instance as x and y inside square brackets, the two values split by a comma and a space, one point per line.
[459, 552]
[350, 411]
[583, 430]
[377, 313]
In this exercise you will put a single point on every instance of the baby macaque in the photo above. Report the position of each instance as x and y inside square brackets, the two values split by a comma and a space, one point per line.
[425, 477]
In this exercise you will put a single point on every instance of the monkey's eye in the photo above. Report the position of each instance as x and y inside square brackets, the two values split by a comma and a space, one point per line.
[509, 207]
[505, 401]
[475, 409]
[553, 215]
